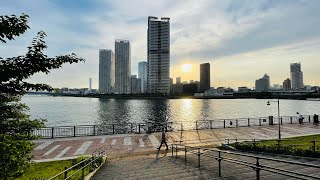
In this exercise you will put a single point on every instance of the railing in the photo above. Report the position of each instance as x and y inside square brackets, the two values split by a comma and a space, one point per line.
[256, 163]
[126, 128]
[243, 122]
[312, 147]
[78, 171]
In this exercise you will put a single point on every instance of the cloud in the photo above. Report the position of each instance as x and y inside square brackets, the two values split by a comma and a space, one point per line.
[235, 33]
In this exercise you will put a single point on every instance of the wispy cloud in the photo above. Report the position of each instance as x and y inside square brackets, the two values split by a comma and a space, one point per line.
[234, 36]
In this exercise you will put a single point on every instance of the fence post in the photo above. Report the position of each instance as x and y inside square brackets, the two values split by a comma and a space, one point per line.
[199, 157]
[94, 130]
[248, 121]
[257, 169]
[219, 160]
[171, 150]
[112, 128]
[74, 131]
[52, 132]
[65, 173]
[139, 128]
[224, 123]
[314, 147]
[290, 119]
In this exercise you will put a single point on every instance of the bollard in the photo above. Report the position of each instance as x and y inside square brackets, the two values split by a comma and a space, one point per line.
[196, 125]
[52, 132]
[237, 123]
[139, 128]
[290, 119]
[259, 121]
[94, 130]
[176, 151]
[171, 150]
[210, 124]
[224, 123]
[254, 143]
[314, 147]
[309, 118]
[248, 122]
[281, 120]
[74, 131]
[112, 128]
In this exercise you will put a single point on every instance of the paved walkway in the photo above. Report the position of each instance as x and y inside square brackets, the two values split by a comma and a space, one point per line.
[117, 145]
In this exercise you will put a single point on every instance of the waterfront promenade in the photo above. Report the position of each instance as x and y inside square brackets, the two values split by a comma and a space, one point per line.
[124, 144]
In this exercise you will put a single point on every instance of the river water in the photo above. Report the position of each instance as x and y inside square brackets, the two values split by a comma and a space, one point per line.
[65, 111]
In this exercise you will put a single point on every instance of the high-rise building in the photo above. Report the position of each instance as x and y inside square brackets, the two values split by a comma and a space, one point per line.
[158, 55]
[178, 80]
[287, 84]
[263, 84]
[143, 75]
[135, 85]
[122, 67]
[171, 86]
[106, 71]
[90, 84]
[296, 76]
[204, 77]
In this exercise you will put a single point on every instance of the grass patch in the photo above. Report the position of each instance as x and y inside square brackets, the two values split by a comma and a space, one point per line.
[299, 146]
[45, 170]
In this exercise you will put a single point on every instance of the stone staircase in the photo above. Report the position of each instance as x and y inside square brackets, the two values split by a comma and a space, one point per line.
[163, 166]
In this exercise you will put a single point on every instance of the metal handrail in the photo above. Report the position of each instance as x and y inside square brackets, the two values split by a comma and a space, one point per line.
[256, 166]
[100, 154]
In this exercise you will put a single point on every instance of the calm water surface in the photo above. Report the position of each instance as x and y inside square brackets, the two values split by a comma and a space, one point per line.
[63, 111]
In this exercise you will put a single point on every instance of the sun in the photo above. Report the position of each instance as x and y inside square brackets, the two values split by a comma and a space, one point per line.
[186, 67]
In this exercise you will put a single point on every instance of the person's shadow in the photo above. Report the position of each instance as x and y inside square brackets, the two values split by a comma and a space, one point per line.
[159, 155]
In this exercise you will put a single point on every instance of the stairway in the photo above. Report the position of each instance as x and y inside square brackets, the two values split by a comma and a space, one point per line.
[163, 166]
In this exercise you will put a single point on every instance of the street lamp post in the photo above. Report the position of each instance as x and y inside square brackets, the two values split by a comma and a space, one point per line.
[268, 103]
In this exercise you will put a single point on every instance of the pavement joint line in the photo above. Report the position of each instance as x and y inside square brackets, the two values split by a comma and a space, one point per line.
[103, 140]
[83, 148]
[63, 152]
[141, 143]
[51, 150]
[127, 141]
[43, 145]
[114, 141]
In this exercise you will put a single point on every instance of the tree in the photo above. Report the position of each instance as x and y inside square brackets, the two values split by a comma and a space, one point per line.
[15, 125]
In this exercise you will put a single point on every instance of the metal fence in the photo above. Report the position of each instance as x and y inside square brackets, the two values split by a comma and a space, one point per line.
[108, 129]
[243, 122]
[257, 163]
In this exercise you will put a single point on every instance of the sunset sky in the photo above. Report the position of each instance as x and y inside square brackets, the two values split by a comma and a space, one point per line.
[242, 40]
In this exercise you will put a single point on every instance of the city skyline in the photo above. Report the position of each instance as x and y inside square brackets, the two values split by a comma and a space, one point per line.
[236, 38]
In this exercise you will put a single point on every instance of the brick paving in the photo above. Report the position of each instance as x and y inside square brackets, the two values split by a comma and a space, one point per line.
[117, 145]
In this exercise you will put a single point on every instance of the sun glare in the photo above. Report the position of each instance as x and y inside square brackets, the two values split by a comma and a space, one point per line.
[186, 68]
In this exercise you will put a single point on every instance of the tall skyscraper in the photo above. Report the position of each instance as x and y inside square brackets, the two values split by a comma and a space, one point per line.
[158, 55]
[263, 84]
[296, 76]
[143, 75]
[90, 84]
[204, 77]
[178, 80]
[122, 67]
[287, 84]
[106, 71]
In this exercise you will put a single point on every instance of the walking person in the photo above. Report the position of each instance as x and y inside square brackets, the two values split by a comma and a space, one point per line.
[163, 139]
[300, 118]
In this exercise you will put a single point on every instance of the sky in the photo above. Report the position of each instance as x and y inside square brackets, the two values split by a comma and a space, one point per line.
[242, 40]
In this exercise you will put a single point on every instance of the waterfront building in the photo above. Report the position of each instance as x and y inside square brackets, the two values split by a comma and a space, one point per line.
[135, 85]
[106, 71]
[177, 88]
[171, 86]
[178, 80]
[243, 89]
[204, 77]
[122, 67]
[296, 76]
[143, 75]
[90, 84]
[263, 84]
[189, 88]
[158, 55]
[286, 85]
